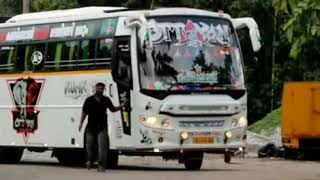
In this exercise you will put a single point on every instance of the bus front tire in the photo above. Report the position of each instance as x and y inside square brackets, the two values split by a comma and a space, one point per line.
[227, 157]
[10, 155]
[194, 162]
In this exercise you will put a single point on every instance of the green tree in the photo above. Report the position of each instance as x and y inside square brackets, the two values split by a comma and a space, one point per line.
[45, 5]
[101, 2]
[10, 7]
[303, 27]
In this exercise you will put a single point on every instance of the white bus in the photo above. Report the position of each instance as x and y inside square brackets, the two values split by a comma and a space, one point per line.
[181, 70]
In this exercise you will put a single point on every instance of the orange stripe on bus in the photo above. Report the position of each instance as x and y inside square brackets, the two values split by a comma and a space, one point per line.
[61, 73]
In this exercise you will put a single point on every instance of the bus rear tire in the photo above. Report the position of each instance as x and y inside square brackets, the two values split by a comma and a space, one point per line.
[10, 155]
[112, 159]
[70, 156]
[194, 161]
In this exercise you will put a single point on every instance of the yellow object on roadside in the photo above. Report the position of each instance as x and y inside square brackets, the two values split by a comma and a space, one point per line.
[300, 119]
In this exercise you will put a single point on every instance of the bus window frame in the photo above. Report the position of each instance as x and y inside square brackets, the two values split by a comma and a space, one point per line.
[115, 62]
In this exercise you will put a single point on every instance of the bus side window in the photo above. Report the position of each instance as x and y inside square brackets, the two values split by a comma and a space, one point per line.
[61, 55]
[20, 58]
[104, 53]
[87, 54]
[31, 57]
[7, 59]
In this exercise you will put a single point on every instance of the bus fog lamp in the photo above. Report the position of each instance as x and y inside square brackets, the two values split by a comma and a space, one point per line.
[184, 135]
[228, 134]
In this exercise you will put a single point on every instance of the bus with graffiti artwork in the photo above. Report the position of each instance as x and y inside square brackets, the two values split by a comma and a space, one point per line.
[180, 69]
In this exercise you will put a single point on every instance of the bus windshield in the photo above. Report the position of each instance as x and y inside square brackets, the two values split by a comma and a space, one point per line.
[190, 52]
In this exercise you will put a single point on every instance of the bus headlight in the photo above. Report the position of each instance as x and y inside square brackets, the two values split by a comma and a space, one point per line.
[151, 121]
[242, 121]
[184, 135]
[228, 134]
[156, 122]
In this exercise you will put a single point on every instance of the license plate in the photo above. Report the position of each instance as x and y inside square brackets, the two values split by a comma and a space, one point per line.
[202, 140]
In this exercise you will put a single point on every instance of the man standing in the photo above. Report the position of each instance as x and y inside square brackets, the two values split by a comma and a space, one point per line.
[95, 107]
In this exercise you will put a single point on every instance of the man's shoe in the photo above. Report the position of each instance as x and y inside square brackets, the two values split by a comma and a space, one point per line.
[101, 169]
[88, 165]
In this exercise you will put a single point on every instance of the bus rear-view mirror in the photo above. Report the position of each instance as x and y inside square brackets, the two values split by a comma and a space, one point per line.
[254, 33]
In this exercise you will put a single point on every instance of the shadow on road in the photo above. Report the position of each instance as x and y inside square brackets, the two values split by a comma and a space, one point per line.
[180, 168]
[143, 167]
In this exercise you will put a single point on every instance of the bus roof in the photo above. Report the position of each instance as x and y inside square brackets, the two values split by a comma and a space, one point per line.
[99, 12]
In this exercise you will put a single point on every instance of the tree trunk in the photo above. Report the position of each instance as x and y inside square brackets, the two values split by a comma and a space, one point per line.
[26, 6]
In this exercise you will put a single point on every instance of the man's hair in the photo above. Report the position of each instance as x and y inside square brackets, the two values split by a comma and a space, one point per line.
[100, 84]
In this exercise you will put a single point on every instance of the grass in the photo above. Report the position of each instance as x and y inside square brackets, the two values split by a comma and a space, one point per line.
[268, 125]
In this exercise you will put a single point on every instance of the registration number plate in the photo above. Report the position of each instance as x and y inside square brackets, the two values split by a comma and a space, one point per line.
[202, 140]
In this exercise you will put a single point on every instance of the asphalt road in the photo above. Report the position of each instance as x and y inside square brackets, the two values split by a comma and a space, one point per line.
[38, 167]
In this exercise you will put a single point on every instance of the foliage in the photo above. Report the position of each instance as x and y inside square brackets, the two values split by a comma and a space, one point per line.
[101, 2]
[45, 5]
[10, 7]
[268, 125]
[303, 27]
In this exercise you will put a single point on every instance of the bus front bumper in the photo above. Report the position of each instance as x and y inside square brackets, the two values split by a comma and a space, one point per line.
[205, 140]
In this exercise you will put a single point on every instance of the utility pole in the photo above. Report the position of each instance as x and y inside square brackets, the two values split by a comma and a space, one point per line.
[25, 6]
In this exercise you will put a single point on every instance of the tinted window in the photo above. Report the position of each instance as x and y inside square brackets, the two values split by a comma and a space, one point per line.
[62, 55]
[30, 57]
[87, 54]
[7, 58]
[104, 51]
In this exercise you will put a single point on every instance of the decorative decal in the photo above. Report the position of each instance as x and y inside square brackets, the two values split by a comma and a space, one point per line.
[108, 27]
[42, 32]
[80, 89]
[36, 58]
[64, 30]
[83, 29]
[193, 34]
[125, 112]
[145, 139]
[3, 37]
[197, 76]
[25, 94]
[20, 35]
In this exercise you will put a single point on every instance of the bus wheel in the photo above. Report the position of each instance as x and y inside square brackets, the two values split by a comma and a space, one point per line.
[194, 161]
[10, 155]
[227, 157]
[112, 159]
[70, 156]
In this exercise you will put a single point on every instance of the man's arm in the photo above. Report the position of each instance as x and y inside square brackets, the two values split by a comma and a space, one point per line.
[112, 108]
[84, 113]
[83, 117]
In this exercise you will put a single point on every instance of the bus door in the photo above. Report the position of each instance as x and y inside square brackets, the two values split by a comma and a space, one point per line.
[122, 75]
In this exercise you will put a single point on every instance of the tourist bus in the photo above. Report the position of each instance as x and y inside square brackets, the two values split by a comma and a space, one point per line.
[180, 69]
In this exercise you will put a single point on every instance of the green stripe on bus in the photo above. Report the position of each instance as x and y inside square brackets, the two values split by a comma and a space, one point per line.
[10, 56]
[26, 57]
[57, 58]
[71, 51]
